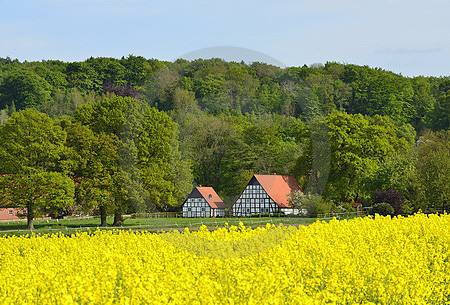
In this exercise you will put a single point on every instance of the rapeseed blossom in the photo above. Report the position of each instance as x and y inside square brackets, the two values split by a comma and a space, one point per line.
[365, 261]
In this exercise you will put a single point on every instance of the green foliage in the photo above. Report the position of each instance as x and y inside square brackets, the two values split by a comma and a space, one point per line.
[382, 208]
[94, 163]
[398, 172]
[439, 117]
[110, 115]
[433, 168]
[394, 198]
[42, 192]
[184, 102]
[210, 142]
[31, 147]
[150, 171]
[423, 101]
[228, 87]
[83, 76]
[108, 70]
[54, 76]
[118, 185]
[314, 204]
[24, 89]
[224, 149]
[358, 145]
[379, 92]
[232, 120]
[3, 116]
[312, 167]
[138, 69]
[165, 176]
[159, 89]
[332, 93]
[64, 103]
[30, 141]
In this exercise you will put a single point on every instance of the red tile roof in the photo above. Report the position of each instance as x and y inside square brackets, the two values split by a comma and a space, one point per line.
[211, 197]
[356, 204]
[278, 187]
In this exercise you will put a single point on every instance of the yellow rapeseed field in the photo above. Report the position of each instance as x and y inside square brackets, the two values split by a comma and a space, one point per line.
[362, 261]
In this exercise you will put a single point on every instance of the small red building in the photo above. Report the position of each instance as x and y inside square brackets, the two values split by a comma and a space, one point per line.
[10, 213]
[358, 207]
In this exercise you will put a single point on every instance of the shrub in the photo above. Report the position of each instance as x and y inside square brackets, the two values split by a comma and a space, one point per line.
[394, 198]
[345, 207]
[382, 208]
[313, 203]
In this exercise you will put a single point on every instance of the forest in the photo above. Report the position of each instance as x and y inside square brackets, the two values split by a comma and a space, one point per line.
[114, 136]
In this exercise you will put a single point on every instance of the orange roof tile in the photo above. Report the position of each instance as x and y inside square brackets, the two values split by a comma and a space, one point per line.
[211, 197]
[356, 204]
[278, 187]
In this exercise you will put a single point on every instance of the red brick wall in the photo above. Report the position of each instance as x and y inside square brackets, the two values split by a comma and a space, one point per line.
[5, 214]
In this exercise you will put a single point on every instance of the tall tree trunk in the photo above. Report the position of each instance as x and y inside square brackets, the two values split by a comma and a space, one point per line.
[103, 216]
[118, 219]
[30, 216]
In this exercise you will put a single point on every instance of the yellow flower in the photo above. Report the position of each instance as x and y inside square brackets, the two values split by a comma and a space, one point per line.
[372, 260]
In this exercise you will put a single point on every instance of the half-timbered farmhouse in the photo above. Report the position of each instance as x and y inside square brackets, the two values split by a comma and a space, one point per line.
[203, 202]
[266, 194]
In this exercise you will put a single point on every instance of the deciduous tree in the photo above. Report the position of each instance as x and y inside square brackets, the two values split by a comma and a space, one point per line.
[31, 146]
[24, 89]
[433, 168]
[358, 145]
[39, 193]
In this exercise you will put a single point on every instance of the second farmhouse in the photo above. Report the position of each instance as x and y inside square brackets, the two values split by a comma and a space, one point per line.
[268, 194]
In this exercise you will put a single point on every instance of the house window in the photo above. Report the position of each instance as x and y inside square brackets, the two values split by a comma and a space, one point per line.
[189, 209]
[10, 212]
[203, 209]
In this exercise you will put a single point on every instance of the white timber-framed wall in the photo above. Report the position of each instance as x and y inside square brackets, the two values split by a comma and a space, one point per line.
[203, 202]
[196, 207]
[254, 200]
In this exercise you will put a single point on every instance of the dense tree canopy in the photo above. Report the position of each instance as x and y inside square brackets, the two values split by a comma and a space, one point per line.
[33, 172]
[135, 134]
[94, 164]
[38, 193]
[358, 145]
[23, 89]
[30, 141]
[229, 87]
[433, 168]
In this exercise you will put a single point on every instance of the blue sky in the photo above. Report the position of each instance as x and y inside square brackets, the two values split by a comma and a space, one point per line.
[404, 36]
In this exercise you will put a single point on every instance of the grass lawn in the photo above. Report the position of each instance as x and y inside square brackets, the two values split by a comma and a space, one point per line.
[70, 225]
